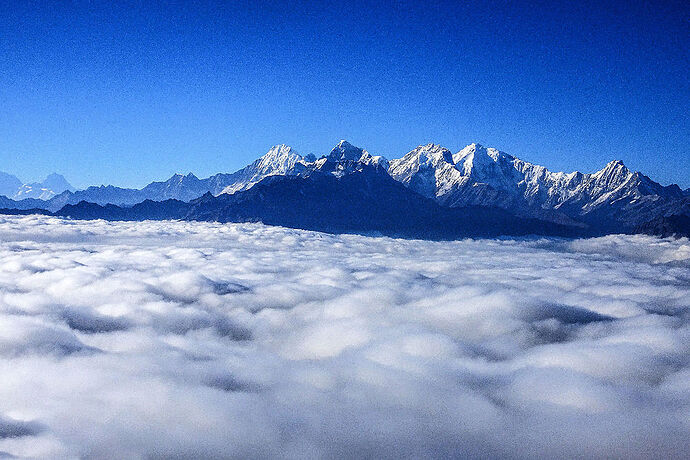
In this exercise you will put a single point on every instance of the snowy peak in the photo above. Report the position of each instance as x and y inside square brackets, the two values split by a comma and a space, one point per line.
[424, 157]
[471, 149]
[278, 160]
[345, 159]
[435, 154]
[427, 169]
[613, 175]
[430, 155]
[284, 160]
[476, 156]
[614, 167]
[53, 185]
[478, 175]
[344, 151]
[374, 160]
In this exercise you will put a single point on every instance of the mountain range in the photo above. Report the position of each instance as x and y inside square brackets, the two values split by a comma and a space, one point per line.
[12, 187]
[428, 192]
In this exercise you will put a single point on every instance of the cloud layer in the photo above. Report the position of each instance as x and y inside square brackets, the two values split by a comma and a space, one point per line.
[161, 339]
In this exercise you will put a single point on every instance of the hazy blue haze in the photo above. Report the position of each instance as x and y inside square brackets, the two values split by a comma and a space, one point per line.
[135, 92]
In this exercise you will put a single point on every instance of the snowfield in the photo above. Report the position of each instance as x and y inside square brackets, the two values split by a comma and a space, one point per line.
[202, 340]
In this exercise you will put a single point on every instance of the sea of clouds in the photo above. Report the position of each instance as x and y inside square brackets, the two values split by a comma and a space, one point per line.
[202, 340]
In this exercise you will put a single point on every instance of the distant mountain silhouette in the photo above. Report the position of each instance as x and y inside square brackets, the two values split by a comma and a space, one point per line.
[9, 184]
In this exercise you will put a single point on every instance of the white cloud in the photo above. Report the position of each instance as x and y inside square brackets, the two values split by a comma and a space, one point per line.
[156, 339]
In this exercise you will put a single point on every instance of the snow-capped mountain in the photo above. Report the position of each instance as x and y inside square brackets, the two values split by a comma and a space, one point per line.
[279, 160]
[334, 194]
[343, 159]
[53, 185]
[429, 170]
[477, 175]
[613, 199]
[346, 152]
[283, 160]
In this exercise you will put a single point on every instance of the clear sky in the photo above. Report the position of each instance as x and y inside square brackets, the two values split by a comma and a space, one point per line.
[134, 92]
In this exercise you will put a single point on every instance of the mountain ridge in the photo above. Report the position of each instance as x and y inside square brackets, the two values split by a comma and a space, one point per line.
[611, 198]
[54, 184]
[352, 202]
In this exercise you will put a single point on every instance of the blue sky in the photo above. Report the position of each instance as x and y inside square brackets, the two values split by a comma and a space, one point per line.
[137, 91]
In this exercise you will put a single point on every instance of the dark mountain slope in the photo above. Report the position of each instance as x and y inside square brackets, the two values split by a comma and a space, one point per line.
[146, 210]
[674, 225]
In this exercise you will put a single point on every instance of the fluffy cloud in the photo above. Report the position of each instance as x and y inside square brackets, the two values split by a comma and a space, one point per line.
[159, 339]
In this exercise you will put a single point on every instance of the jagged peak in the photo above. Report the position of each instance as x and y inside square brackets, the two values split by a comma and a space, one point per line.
[344, 143]
[372, 160]
[468, 150]
[346, 151]
[278, 159]
[476, 154]
[475, 147]
[280, 148]
[615, 164]
[613, 167]
[279, 151]
[429, 154]
[178, 177]
[472, 147]
[431, 146]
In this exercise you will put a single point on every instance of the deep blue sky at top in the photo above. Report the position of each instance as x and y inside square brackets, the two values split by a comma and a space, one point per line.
[128, 92]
